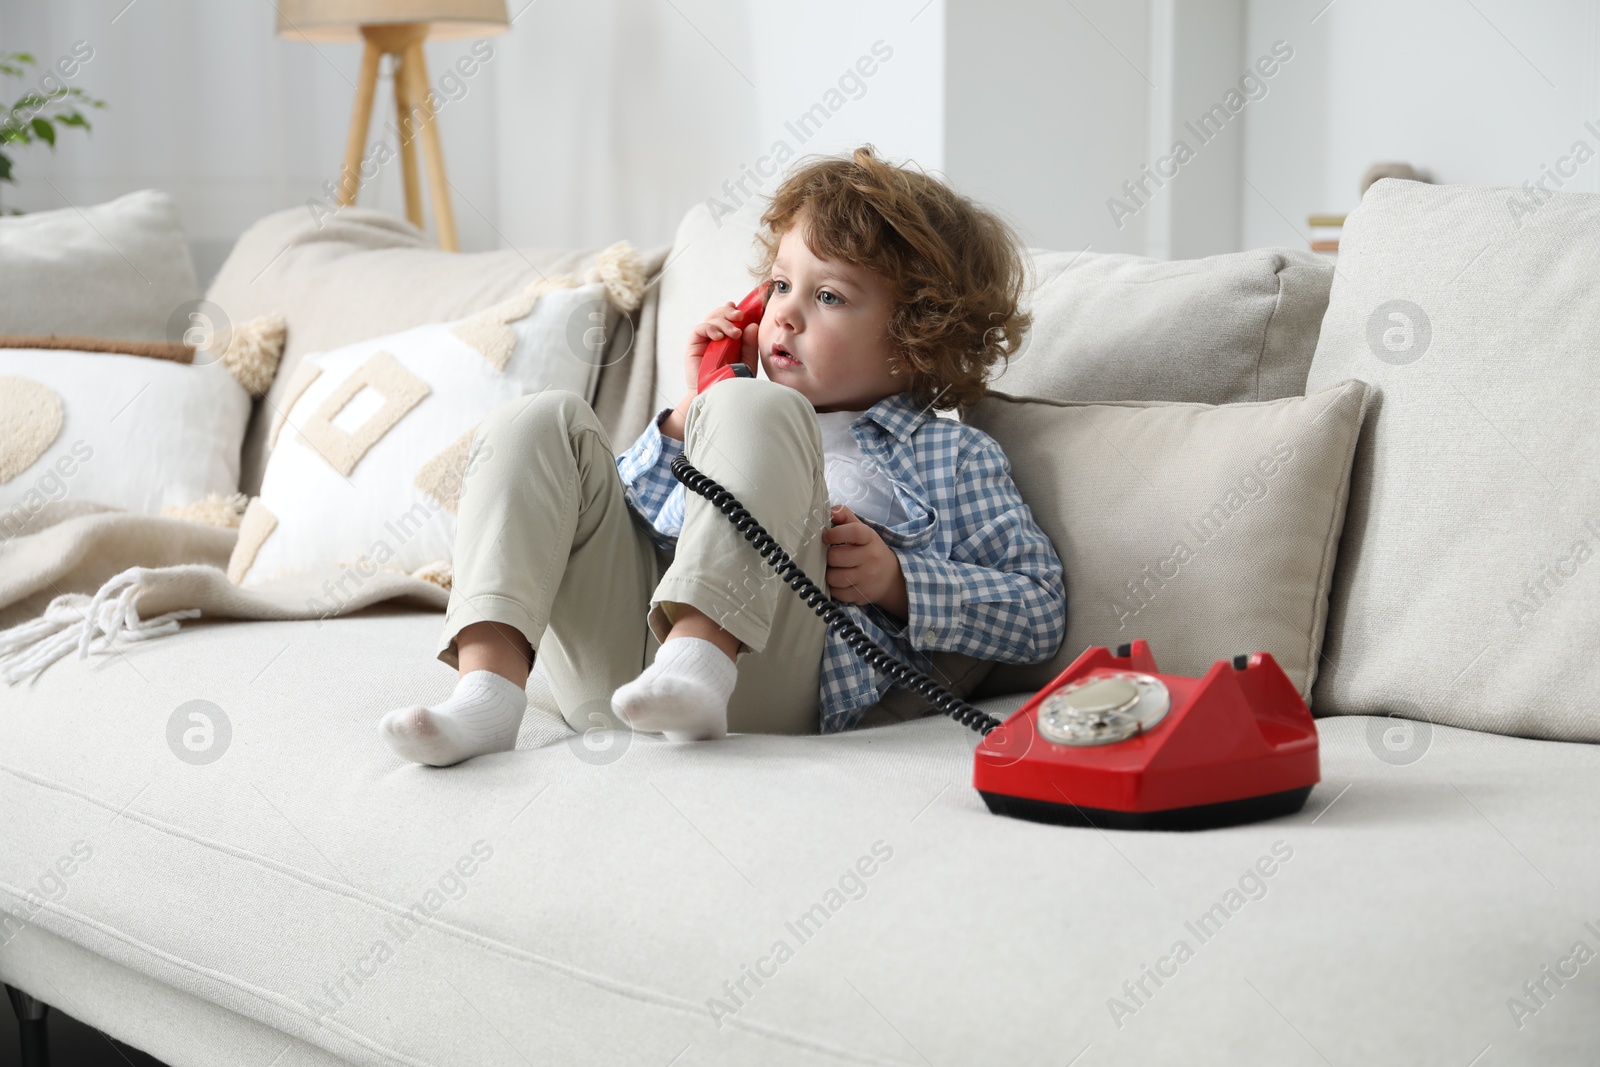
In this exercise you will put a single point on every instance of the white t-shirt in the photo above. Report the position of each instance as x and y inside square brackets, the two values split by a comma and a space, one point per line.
[854, 480]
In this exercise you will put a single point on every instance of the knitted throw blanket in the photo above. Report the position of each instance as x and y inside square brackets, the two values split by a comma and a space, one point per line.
[89, 577]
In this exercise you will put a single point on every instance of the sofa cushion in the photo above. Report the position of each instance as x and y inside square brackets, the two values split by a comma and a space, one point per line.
[355, 275]
[118, 270]
[372, 442]
[1226, 328]
[1208, 531]
[1468, 593]
[1240, 326]
[124, 431]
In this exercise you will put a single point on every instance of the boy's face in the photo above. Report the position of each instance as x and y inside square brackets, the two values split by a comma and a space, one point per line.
[833, 318]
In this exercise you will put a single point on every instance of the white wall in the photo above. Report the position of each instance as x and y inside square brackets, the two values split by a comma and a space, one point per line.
[885, 61]
[1064, 116]
[1194, 152]
[1051, 107]
[590, 122]
[617, 115]
[607, 119]
[1483, 93]
[1045, 107]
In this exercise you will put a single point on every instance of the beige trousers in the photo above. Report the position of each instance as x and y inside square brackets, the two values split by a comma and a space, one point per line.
[545, 542]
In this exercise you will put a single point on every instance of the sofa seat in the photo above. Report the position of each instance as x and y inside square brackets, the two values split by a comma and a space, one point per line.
[603, 900]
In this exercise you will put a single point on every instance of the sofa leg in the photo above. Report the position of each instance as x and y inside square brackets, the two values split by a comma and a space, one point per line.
[33, 1027]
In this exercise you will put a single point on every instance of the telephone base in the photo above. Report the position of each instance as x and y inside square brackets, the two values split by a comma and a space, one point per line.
[1198, 817]
[1113, 743]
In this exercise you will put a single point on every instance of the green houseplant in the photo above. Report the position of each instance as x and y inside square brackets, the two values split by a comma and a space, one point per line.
[38, 113]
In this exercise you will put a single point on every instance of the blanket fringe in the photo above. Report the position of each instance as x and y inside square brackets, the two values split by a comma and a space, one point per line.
[89, 624]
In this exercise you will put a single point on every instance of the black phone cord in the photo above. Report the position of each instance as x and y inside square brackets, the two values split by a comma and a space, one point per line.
[902, 675]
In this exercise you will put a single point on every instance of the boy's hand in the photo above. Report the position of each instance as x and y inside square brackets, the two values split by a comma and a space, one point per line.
[862, 569]
[725, 321]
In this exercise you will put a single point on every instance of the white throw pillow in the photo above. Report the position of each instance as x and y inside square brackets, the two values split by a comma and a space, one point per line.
[370, 442]
[124, 431]
[151, 435]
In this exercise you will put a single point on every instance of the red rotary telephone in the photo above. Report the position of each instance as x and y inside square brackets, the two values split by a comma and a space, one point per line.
[1113, 744]
[723, 357]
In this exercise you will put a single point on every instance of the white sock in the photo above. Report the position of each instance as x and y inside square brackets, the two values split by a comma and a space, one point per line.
[482, 715]
[683, 694]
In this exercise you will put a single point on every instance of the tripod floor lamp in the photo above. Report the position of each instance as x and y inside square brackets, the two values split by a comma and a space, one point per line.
[396, 28]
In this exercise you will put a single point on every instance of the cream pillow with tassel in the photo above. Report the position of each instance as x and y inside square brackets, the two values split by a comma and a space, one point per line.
[370, 443]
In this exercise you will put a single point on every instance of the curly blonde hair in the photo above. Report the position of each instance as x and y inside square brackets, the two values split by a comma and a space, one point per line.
[956, 268]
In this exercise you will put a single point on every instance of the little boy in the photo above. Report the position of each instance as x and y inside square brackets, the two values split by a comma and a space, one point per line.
[888, 296]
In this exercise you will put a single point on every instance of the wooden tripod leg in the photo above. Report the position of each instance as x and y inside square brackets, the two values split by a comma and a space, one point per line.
[405, 119]
[360, 121]
[432, 154]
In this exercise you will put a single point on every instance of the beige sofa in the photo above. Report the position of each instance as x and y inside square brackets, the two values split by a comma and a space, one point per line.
[617, 899]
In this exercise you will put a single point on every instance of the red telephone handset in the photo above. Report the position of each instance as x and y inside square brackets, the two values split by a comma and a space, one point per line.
[723, 357]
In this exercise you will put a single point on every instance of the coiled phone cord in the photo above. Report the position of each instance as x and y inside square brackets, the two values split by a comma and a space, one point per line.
[819, 602]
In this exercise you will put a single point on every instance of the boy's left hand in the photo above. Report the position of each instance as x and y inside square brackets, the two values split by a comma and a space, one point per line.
[862, 569]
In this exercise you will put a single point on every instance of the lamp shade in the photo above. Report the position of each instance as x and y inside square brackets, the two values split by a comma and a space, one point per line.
[340, 20]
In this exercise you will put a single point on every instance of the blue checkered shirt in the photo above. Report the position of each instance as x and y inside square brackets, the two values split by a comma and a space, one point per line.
[981, 577]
